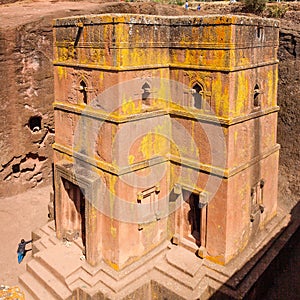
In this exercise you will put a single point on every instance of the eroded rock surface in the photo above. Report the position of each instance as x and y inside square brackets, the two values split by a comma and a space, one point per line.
[26, 122]
[288, 121]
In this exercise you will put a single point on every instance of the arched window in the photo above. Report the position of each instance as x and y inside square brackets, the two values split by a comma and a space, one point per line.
[83, 91]
[146, 91]
[256, 96]
[198, 96]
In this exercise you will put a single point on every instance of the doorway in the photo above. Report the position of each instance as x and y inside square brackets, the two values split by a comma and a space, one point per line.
[194, 216]
[74, 210]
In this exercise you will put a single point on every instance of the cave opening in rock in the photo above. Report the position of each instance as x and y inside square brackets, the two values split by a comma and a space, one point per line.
[35, 123]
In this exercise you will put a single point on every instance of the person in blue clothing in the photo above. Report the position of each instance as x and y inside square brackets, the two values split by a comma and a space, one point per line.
[21, 249]
[186, 5]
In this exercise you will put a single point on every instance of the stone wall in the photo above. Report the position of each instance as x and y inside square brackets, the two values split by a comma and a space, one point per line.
[288, 121]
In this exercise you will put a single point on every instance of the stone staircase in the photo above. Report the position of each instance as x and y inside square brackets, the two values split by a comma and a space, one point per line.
[103, 278]
[41, 281]
[183, 272]
[44, 238]
[59, 272]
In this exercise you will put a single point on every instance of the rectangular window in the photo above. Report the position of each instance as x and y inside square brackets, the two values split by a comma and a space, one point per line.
[257, 198]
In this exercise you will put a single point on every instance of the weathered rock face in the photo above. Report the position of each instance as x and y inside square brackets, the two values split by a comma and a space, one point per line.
[26, 122]
[288, 122]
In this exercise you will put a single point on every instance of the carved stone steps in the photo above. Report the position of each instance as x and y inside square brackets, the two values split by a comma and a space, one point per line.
[61, 260]
[50, 282]
[164, 280]
[81, 277]
[34, 290]
[182, 266]
[182, 278]
[167, 268]
[48, 228]
[47, 242]
[44, 238]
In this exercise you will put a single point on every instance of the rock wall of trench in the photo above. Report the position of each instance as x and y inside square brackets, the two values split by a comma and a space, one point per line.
[26, 118]
[288, 121]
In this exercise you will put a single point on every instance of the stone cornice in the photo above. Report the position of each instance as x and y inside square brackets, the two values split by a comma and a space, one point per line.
[189, 163]
[95, 66]
[192, 115]
[167, 45]
[121, 18]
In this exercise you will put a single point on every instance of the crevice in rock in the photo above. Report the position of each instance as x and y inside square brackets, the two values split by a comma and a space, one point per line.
[50, 130]
[44, 138]
[26, 165]
[8, 163]
[35, 156]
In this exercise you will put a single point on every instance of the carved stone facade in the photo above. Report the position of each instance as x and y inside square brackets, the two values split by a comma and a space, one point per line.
[165, 130]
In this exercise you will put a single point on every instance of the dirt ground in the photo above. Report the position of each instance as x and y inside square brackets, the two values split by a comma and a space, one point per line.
[19, 216]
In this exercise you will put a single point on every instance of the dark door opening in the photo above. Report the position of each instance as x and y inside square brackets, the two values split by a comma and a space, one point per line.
[195, 217]
[75, 211]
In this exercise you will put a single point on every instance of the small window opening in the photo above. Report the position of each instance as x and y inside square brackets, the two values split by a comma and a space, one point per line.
[257, 199]
[256, 97]
[146, 91]
[83, 91]
[254, 196]
[198, 96]
[35, 124]
[15, 168]
[259, 32]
